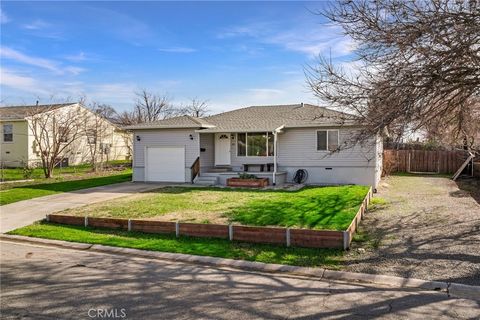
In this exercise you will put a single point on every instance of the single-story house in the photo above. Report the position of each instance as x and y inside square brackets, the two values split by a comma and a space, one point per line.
[267, 141]
[20, 148]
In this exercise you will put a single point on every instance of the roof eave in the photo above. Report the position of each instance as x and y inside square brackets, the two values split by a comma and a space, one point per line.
[162, 127]
[12, 119]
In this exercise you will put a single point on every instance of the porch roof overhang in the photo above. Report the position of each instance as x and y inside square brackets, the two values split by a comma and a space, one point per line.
[220, 130]
[277, 128]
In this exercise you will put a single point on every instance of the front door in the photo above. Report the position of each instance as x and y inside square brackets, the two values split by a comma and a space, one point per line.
[222, 149]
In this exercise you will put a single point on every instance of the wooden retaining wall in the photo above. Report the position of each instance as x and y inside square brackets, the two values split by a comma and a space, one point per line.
[282, 236]
[260, 234]
[356, 220]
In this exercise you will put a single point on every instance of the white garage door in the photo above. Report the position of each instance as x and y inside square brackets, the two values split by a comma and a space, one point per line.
[165, 164]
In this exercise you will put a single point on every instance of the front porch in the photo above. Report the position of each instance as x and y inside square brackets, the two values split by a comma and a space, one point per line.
[220, 178]
[225, 155]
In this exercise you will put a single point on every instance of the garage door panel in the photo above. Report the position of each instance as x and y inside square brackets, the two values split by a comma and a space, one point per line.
[165, 164]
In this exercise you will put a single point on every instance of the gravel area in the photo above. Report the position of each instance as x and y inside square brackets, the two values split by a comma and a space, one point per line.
[427, 228]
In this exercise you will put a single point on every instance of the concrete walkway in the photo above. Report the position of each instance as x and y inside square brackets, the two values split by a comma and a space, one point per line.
[23, 213]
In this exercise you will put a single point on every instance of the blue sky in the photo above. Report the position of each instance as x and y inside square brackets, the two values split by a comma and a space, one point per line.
[230, 53]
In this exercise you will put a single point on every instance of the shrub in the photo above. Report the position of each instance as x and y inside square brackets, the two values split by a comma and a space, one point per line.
[247, 176]
[27, 172]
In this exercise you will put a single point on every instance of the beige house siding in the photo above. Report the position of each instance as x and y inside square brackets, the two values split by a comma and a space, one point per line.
[23, 149]
[15, 153]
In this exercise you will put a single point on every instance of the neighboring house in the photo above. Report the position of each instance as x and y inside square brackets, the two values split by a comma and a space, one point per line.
[276, 139]
[19, 147]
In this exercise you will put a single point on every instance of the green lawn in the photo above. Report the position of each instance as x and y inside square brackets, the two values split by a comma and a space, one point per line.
[23, 191]
[12, 174]
[198, 246]
[313, 207]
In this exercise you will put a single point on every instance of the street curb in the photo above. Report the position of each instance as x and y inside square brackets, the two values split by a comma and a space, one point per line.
[450, 289]
[48, 242]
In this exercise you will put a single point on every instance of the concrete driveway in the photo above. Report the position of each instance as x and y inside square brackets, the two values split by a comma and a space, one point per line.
[23, 213]
[53, 283]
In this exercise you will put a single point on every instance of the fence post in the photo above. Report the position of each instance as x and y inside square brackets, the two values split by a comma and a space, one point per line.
[230, 232]
[287, 234]
[129, 225]
[47, 218]
[177, 229]
[346, 240]
[86, 221]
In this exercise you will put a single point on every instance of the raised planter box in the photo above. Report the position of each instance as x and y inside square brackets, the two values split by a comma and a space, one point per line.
[289, 237]
[248, 183]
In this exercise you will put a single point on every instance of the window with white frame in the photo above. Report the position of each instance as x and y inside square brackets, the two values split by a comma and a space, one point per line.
[327, 140]
[254, 144]
[8, 133]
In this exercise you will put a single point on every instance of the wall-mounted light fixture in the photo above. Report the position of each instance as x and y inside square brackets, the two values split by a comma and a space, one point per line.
[191, 136]
[138, 138]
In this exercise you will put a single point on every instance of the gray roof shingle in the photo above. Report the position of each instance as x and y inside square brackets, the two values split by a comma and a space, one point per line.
[271, 117]
[257, 118]
[170, 123]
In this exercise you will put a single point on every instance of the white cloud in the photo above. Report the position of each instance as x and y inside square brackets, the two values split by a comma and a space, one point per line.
[16, 81]
[74, 70]
[53, 66]
[177, 50]
[264, 94]
[291, 91]
[3, 17]
[310, 39]
[12, 54]
[81, 56]
[36, 25]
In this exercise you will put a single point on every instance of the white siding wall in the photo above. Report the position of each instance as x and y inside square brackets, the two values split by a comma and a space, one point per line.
[164, 138]
[297, 149]
[207, 157]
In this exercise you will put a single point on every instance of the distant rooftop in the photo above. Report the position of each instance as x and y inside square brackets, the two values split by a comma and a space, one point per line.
[20, 112]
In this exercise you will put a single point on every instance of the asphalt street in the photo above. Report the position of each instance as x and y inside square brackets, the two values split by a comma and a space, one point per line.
[52, 283]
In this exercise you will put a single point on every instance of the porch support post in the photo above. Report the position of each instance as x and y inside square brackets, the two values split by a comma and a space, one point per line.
[274, 180]
[275, 149]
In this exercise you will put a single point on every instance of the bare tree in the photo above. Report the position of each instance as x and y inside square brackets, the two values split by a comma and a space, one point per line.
[96, 130]
[148, 107]
[195, 108]
[54, 130]
[466, 136]
[417, 64]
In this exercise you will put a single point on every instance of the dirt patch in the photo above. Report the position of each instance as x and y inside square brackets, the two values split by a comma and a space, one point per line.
[426, 227]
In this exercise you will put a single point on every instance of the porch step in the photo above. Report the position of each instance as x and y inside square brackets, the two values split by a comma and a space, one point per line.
[206, 180]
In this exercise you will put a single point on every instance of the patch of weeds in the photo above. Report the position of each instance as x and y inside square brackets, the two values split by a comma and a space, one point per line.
[205, 221]
[377, 203]
[366, 239]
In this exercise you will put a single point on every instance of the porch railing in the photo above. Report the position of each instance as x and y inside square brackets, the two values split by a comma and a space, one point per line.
[195, 169]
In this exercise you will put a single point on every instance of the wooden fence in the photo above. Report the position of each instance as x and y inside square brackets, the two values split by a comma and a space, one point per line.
[423, 161]
[282, 236]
